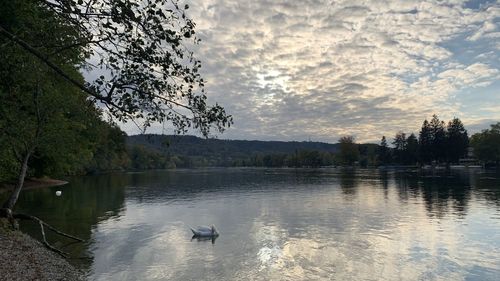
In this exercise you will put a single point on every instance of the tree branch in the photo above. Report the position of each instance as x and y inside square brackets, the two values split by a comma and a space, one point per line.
[33, 218]
[59, 71]
[76, 44]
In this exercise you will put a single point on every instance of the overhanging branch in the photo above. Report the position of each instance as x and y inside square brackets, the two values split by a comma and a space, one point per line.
[59, 71]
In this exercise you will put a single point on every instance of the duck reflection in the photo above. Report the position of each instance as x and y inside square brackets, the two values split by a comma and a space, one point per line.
[204, 239]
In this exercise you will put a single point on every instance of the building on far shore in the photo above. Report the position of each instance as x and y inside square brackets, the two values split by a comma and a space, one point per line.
[469, 161]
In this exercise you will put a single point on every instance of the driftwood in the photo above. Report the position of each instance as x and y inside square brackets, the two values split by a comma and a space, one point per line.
[7, 213]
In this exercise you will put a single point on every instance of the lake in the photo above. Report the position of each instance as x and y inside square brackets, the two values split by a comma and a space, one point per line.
[278, 224]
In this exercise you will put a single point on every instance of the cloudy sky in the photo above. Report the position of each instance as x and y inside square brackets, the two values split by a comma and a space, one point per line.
[320, 69]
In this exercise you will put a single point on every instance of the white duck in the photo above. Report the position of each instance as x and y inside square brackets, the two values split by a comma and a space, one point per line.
[205, 231]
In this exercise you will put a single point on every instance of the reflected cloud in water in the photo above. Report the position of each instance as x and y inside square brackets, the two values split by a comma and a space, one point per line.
[298, 224]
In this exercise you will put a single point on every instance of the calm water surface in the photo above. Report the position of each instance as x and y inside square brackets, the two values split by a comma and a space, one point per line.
[279, 224]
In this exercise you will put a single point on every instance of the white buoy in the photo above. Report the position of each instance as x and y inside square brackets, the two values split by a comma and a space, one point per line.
[58, 193]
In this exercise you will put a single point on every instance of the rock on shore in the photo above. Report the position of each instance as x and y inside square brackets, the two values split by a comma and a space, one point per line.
[24, 258]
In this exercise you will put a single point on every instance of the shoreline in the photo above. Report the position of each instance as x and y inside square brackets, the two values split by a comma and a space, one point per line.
[33, 183]
[25, 258]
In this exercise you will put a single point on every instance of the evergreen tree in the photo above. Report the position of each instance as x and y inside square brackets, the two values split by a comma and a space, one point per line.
[411, 155]
[425, 143]
[399, 147]
[384, 154]
[457, 140]
[438, 136]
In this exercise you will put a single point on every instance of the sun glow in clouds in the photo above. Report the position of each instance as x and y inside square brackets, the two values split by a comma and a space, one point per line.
[288, 70]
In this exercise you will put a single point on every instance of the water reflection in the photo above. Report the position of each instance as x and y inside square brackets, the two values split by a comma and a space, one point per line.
[447, 192]
[84, 203]
[348, 182]
[282, 224]
[204, 239]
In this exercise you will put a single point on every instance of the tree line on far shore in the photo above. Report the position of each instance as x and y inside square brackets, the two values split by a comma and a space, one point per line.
[103, 147]
[437, 142]
[230, 153]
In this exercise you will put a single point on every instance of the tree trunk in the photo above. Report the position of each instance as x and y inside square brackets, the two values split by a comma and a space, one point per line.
[11, 202]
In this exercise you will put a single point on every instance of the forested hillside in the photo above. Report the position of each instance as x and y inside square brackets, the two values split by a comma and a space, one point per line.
[150, 151]
[195, 146]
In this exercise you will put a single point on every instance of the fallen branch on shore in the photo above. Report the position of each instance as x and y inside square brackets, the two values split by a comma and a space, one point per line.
[8, 214]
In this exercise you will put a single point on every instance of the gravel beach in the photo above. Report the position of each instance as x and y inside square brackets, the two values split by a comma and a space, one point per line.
[24, 258]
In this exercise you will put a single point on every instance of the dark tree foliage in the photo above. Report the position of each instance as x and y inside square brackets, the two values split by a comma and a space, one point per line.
[234, 149]
[425, 142]
[411, 152]
[109, 152]
[434, 143]
[147, 152]
[457, 140]
[37, 108]
[400, 147]
[384, 153]
[368, 154]
[405, 149]
[140, 51]
[438, 133]
[349, 152]
[487, 145]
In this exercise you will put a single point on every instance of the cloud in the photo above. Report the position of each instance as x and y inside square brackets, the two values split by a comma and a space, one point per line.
[321, 69]
[474, 75]
[485, 30]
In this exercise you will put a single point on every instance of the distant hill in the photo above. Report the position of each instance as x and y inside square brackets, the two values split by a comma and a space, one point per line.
[195, 146]
[168, 151]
